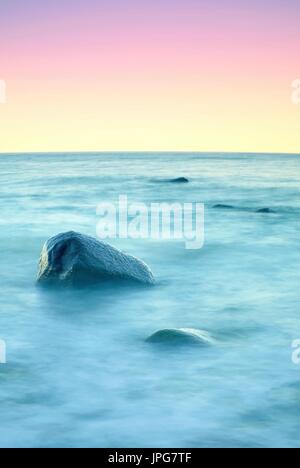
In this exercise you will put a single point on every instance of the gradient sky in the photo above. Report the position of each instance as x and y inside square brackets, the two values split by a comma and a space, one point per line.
[183, 75]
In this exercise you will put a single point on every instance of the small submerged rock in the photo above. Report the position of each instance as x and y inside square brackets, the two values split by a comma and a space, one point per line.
[76, 258]
[265, 210]
[180, 180]
[181, 336]
[177, 180]
[221, 206]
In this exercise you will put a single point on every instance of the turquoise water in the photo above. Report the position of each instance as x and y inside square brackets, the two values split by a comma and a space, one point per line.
[79, 372]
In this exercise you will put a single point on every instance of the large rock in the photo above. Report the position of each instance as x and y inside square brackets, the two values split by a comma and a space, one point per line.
[73, 258]
[181, 336]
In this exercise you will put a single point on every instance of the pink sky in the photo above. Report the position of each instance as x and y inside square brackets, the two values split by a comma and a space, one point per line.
[147, 75]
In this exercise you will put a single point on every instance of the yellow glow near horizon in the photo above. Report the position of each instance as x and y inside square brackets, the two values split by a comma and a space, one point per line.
[149, 120]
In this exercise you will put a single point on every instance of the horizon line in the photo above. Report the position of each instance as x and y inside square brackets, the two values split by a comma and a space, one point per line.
[149, 152]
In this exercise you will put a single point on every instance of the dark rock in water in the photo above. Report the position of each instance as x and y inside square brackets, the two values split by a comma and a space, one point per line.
[223, 207]
[76, 258]
[181, 336]
[180, 180]
[265, 210]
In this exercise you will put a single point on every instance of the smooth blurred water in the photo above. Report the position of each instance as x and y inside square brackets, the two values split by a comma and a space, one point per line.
[79, 372]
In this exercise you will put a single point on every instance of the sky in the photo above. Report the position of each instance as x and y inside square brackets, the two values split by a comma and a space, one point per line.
[141, 75]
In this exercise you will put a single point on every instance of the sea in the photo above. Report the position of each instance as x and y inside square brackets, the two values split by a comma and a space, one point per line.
[79, 370]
